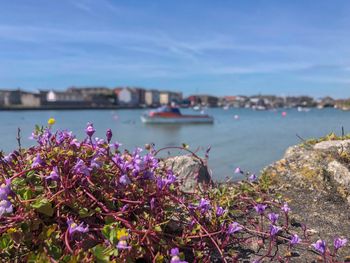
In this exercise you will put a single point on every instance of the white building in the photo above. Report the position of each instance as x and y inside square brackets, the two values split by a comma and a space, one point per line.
[152, 98]
[128, 96]
[62, 96]
[167, 97]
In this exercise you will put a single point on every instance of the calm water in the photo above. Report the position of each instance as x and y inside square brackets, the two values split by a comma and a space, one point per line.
[253, 141]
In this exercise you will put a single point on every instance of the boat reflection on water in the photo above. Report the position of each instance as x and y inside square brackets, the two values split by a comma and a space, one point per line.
[172, 115]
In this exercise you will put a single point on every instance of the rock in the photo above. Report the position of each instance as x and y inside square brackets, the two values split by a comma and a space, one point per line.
[190, 171]
[340, 172]
[333, 145]
[322, 167]
[315, 179]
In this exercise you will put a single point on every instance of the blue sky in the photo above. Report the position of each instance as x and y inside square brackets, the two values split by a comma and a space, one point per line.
[217, 47]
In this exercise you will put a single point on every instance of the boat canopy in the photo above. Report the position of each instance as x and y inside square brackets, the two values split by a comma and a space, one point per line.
[168, 109]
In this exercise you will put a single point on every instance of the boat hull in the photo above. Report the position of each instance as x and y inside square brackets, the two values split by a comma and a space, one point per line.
[177, 120]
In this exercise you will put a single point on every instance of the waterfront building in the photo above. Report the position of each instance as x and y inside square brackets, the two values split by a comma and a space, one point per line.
[235, 101]
[326, 102]
[88, 91]
[29, 99]
[62, 99]
[10, 97]
[152, 98]
[204, 100]
[128, 96]
[98, 96]
[168, 97]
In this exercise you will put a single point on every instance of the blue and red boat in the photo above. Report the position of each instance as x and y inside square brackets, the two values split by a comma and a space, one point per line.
[172, 115]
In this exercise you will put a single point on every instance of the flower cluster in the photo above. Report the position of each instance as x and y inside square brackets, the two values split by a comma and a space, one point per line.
[70, 200]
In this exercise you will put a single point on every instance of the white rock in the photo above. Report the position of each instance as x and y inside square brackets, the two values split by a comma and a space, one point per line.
[190, 172]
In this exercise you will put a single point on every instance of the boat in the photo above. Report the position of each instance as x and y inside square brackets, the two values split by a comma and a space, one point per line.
[259, 107]
[172, 115]
[303, 109]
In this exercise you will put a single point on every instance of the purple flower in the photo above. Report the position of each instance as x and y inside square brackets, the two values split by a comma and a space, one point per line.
[109, 135]
[75, 142]
[96, 162]
[5, 207]
[63, 135]
[53, 175]
[252, 178]
[238, 170]
[8, 158]
[151, 161]
[116, 145]
[81, 168]
[90, 130]
[204, 205]
[295, 240]
[73, 227]
[161, 183]
[171, 177]
[285, 208]
[124, 179]
[152, 203]
[260, 208]
[174, 252]
[44, 138]
[5, 189]
[99, 142]
[274, 230]
[175, 256]
[122, 244]
[339, 242]
[320, 246]
[148, 175]
[37, 161]
[273, 217]
[219, 211]
[233, 228]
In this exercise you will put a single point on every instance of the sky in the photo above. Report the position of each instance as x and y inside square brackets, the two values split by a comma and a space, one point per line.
[299, 47]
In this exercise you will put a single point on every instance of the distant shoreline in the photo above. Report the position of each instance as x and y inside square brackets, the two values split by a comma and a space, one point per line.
[112, 107]
[70, 108]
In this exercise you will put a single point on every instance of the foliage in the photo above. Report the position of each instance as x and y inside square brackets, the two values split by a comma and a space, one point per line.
[66, 200]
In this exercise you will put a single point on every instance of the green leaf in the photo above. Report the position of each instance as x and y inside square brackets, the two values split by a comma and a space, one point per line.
[84, 212]
[51, 229]
[18, 182]
[109, 219]
[43, 206]
[158, 228]
[101, 254]
[5, 241]
[110, 232]
[55, 251]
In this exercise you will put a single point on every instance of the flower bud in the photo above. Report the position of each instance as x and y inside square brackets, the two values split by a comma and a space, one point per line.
[109, 135]
[90, 130]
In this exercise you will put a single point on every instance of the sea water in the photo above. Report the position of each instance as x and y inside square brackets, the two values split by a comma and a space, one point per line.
[238, 138]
